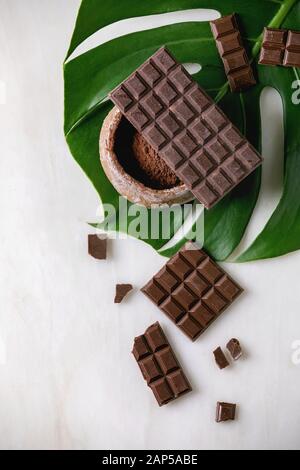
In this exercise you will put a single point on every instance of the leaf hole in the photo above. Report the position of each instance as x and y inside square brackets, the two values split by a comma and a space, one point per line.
[143, 23]
[273, 165]
[193, 69]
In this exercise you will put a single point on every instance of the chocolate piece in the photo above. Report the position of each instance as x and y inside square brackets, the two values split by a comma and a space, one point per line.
[159, 366]
[220, 358]
[121, 292]
[186, 128]
[192, 290]
[235, 349]
[230, 46]
[225, 412]
[97, 247]
[280, 47]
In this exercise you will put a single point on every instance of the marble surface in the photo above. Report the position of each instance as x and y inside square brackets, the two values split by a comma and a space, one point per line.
[67, 378]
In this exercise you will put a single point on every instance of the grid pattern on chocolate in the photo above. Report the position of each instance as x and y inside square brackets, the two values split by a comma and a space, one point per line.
[232, 51]
[186, 128]
[280, 47]
[159, 366]
[192, 290]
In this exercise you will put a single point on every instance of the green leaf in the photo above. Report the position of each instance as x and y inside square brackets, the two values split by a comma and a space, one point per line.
[92, 75]
[282, 233]
[96, 14]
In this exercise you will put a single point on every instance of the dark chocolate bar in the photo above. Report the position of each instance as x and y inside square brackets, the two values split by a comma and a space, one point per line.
[225, 412]
[230, 46]
[220, 359]
[280, 47]
[159, 366]
[97, 247]
[235, 349]
[192, 290]
[187, 129]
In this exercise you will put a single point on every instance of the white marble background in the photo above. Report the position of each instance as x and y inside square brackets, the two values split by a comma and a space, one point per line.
[67, 378]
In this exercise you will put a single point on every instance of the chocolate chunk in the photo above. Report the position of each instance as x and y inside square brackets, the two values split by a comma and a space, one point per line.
[220, 358]
[159, 366]
[97, 247]
[235, 349]
[230, 46]
[280, 47]
[192, 290]
[225, 412]
[186, 128]
[121, 292]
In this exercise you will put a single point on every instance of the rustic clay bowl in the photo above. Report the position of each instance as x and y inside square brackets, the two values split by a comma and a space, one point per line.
[126, 185]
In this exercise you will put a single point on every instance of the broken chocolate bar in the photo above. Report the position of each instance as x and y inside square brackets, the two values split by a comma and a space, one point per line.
[230, 46]
[192, 290]
[97, 247]
[235, 349]
[280, 47]
[122, 290]
[186, 128]
[159, 366]
[221, 358]
[225, 412]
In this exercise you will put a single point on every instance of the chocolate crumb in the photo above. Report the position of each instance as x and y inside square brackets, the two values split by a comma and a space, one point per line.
[225, 412]
[122, 290]
[235, 349]
[220, 358]
[97, 247]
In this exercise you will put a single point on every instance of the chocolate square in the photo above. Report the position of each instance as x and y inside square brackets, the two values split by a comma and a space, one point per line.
[225, 412]
[192, 290]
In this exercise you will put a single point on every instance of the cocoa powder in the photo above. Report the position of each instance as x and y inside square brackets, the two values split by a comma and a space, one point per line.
[141, 161]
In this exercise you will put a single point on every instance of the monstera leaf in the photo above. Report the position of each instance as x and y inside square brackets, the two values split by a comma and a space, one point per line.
[92, 75]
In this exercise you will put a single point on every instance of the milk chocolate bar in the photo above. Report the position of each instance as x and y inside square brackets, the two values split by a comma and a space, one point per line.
[235, 59]
[159, 366]
[280, 47]
[192, 290]
[187, 129]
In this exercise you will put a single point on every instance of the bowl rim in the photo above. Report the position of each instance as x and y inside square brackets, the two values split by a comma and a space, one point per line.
[121, 180]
